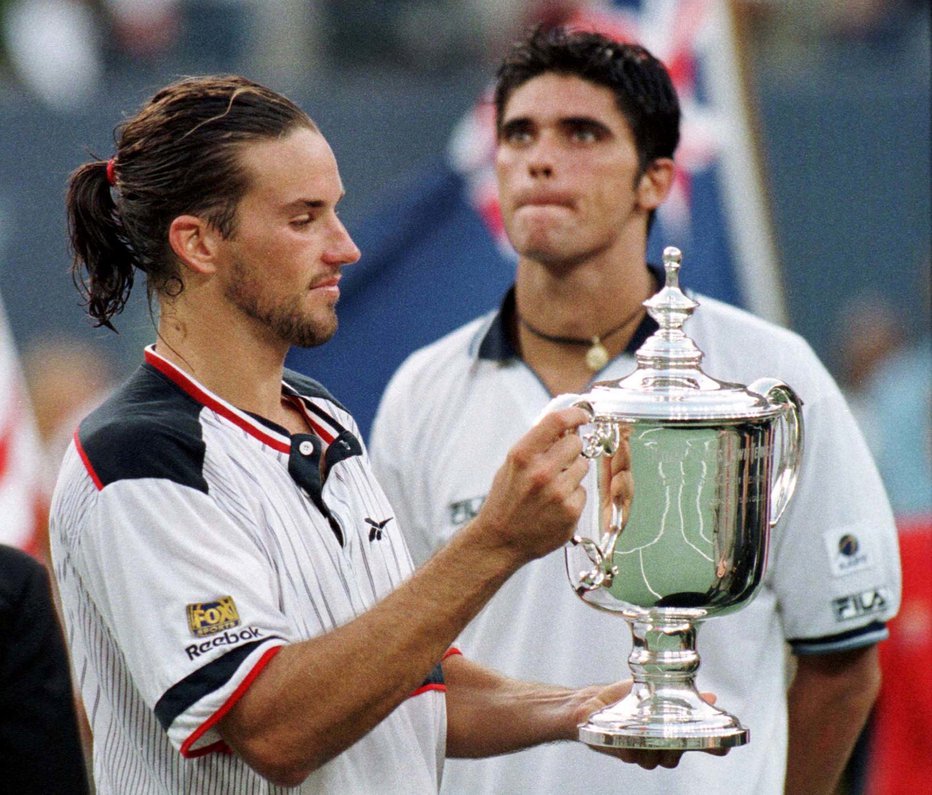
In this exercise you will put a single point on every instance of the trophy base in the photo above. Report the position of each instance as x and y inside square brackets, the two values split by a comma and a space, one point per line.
[645, 721]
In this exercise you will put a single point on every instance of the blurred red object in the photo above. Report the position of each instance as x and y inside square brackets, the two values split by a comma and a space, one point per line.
[900, 750]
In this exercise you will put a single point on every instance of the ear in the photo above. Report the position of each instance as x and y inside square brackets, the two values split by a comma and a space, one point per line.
[195, 243]
[655, 183]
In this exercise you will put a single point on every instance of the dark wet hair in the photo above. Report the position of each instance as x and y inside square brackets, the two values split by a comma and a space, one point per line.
[178, 155]
[641, 84]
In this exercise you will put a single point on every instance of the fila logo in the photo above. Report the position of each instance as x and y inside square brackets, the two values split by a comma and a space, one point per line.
[860, 604]
[376, 528]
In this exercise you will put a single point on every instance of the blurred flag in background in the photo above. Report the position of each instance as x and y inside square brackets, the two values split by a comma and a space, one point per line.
[435, 255]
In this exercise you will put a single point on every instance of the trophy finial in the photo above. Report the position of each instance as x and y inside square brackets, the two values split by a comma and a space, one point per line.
[672, 259]
[671, 308]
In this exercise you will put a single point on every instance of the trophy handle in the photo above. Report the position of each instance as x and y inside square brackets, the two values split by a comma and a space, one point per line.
[603, 439]
[791, 447]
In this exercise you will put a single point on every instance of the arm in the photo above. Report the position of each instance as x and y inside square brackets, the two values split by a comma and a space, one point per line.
[317, 697]
[829, 701]
[489, 714]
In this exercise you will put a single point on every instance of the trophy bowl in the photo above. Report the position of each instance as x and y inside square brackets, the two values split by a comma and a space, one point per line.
[687, 477]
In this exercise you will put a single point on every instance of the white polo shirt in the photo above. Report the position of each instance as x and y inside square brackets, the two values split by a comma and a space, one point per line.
[191, 542]
[443, 428]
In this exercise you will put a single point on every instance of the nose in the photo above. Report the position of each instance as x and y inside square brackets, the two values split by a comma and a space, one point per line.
[541, 155]
[341, 250]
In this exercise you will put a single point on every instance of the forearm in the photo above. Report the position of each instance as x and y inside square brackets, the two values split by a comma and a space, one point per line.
[316, 698]
[829, 702]
[490, 714]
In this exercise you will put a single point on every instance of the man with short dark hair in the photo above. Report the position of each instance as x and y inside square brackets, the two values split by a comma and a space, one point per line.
[587, 129]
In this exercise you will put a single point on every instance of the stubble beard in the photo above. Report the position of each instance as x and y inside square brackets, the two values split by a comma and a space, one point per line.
[289, 321]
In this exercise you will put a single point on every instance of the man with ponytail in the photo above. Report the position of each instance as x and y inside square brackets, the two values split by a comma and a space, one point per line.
[242, 610]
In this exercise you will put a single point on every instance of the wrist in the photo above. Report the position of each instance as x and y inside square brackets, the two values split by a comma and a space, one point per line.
[488, 541]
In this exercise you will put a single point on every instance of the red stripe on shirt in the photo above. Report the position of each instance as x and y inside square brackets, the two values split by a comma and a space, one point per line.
[425, 688]
[191, 388]
[227, 706]
[87, 463]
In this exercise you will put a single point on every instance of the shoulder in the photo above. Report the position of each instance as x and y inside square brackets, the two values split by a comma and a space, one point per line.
[428, 384]
[728, 318]
[739, 344]
[308, 387]
[148, 428]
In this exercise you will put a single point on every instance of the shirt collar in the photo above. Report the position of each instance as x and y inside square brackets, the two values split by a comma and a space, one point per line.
[497, 344]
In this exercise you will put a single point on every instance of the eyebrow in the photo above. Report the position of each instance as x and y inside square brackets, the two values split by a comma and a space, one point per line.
[311, 204]
[564, 121]
[583, 121]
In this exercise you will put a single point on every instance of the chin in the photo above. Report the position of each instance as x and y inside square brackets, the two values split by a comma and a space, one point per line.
[306, 332]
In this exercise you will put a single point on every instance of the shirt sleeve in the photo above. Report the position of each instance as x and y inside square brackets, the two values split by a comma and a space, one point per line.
[835, 559]
[186, 592]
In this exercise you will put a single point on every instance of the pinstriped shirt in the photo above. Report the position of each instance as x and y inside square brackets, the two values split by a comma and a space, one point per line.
[191, 542]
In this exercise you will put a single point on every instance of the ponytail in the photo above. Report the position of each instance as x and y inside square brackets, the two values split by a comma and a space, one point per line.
[103, 264]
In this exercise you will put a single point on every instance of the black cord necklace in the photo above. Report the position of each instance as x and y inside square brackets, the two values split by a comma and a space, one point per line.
[597, 355]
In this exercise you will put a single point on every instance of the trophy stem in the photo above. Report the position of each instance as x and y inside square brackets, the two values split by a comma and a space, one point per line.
[664, 710]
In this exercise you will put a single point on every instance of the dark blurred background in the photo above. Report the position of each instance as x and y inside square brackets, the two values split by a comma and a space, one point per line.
[841, 93]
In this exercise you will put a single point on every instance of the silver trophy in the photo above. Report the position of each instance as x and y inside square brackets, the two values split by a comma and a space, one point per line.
[687, 477]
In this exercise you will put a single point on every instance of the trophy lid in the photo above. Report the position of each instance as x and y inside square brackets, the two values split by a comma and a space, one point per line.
[668, 382]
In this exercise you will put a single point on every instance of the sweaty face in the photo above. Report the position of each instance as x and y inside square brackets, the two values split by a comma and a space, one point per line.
[567, 170]
[289, 246]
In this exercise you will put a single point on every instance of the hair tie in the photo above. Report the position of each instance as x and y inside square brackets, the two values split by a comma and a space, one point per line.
[111, 173]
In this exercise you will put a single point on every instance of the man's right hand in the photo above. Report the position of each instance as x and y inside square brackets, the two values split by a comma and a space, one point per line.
[537, 497]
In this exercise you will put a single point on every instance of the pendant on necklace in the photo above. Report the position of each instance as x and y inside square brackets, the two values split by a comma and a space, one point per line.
[596, 356]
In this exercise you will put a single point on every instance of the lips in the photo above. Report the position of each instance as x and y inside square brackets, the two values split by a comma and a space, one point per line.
[332, 282]
[544, 200]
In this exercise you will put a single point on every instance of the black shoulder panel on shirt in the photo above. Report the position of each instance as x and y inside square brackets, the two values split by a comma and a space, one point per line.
[149, 428]
[309, 387]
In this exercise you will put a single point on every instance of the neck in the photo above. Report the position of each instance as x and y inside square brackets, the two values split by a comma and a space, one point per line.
[581, 303]
[230, 357]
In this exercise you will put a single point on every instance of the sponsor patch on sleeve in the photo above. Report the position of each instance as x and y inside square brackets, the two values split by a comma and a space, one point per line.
[208, 618]
[846, 553]
[857, 605]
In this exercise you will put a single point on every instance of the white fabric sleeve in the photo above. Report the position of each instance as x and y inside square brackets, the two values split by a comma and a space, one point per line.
[186, 592]
[835, 559]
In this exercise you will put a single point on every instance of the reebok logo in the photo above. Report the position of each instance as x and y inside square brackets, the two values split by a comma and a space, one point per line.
[376, 528]
[226, 639]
